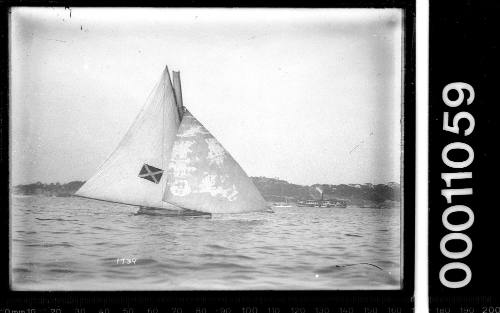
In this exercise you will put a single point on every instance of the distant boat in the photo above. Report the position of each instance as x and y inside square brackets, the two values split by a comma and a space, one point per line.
[322, 203]
[169, 161]
[282, 205]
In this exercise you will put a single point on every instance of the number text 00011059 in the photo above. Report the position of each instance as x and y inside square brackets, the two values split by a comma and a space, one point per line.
[451, 124]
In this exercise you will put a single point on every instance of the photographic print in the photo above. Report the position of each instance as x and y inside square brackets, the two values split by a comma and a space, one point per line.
[206, 149]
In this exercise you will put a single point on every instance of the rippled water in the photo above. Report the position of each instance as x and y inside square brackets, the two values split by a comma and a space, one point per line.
[74, 244]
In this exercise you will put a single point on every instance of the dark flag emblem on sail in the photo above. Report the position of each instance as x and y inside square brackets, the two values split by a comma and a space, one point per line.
[151, 173]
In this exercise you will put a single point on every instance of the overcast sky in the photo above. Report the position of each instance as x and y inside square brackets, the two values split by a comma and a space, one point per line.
[309, 95]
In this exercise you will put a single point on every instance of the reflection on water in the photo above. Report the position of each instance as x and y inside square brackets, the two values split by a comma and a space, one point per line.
[81, 244]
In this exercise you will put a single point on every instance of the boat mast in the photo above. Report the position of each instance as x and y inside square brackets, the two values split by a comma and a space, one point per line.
[178, 92]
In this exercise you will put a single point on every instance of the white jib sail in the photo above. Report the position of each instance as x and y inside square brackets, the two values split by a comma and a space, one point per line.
[203, 176]
[133, 173]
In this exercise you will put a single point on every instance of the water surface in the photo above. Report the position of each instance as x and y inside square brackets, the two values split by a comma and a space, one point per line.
[74, 244]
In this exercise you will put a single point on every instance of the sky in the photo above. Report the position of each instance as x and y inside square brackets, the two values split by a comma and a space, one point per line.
[306, 95]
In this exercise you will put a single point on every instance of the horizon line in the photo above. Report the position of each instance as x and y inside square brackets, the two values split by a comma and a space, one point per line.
[274, 178]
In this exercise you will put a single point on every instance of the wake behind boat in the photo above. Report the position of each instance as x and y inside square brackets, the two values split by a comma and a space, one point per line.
[169, 161]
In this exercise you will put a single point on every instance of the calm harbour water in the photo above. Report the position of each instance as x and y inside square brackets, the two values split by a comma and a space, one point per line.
[74, 244]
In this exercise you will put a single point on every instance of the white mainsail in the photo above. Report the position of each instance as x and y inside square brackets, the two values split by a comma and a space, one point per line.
[202, 175]
[133, 173]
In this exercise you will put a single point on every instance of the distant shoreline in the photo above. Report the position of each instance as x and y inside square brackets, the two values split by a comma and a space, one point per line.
[272, 189]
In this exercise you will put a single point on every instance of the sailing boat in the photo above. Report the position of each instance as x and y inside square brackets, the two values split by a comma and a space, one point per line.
[282, 204]
[169, 162]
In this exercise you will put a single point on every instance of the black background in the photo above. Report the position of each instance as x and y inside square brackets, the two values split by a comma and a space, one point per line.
[464, 47]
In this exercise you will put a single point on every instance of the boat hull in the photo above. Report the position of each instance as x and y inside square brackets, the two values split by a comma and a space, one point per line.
[171, 213]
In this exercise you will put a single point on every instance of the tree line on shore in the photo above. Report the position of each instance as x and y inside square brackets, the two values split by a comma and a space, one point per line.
[367, 194]
[272, 189]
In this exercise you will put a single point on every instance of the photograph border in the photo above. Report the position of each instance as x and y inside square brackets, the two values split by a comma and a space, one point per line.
[213, 299]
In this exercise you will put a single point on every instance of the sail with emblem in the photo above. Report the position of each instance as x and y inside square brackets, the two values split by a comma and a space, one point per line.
[134, 172]
[203, 176]
[168, 160]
